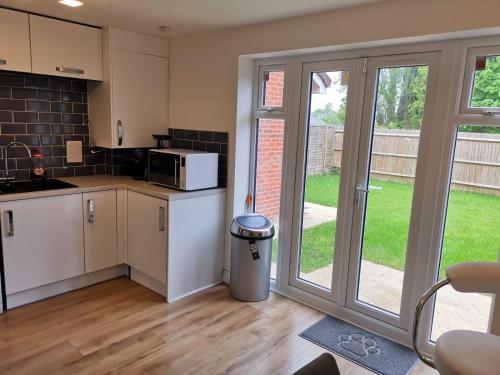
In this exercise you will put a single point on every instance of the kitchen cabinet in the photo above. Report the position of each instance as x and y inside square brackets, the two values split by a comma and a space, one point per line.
[42, 241]
[131, 103]
[147, 235]
[66, 49]
[14, 41]
[100, 230]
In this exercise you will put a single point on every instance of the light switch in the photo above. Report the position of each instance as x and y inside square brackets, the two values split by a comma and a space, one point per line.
[74, 152]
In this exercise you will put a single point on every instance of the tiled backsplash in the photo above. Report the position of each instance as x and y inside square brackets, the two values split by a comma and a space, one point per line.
[204, 141]
[44, 113]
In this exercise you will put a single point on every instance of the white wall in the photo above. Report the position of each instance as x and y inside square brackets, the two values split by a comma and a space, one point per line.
[204, 67]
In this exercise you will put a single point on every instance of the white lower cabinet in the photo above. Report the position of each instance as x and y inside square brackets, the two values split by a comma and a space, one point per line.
[147, 235]
[100, 231]
[42, 241]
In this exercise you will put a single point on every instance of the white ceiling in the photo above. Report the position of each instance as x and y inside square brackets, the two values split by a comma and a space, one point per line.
[184, 16]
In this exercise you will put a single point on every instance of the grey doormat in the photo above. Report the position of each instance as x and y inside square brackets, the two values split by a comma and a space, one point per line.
[362, 347]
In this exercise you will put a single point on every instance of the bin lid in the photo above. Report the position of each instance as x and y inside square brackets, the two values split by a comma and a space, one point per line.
[252, 226]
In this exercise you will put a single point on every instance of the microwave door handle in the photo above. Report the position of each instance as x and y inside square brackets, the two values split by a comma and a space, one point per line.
[175, 172]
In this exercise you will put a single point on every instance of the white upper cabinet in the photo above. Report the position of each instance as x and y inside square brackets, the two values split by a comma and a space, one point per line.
[131, 103]
[65, 49]
[14, 41]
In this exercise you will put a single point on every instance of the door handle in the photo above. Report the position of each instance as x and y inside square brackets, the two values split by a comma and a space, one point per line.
[120, 132]
[3, 62]
[360, 192]
[65, 69]
[176, 163]
[10, 215]
[90, 210]
[162, 219]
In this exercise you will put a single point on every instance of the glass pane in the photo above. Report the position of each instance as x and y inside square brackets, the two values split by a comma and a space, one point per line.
[324, 154]
[393, 160]
[486, 85]
[274, 83]
[270, 134]
[472, 226]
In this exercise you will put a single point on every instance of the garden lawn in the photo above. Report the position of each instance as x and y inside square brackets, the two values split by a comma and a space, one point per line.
[472, 226]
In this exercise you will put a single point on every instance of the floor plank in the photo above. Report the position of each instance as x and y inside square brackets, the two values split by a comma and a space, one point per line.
[120, 327]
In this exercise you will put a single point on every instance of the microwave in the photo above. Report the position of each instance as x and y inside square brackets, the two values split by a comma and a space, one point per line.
[183, 169]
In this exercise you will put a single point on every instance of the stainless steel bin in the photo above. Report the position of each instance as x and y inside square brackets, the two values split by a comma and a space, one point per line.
[251, 250]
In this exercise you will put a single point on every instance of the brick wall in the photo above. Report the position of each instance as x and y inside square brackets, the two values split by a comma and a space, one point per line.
[270, 151]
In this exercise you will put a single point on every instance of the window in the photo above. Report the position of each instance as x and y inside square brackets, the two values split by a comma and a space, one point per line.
[481, 92]
[269, 146]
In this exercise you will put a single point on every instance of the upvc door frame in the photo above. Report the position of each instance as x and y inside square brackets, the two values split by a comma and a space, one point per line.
[337, 289]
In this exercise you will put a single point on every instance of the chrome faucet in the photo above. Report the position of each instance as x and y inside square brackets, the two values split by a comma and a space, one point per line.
[6, 158]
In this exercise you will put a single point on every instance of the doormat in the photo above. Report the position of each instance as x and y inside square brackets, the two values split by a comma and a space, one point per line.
[362, 347]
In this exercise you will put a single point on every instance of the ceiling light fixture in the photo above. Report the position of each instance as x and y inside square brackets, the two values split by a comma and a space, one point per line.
[71, 3]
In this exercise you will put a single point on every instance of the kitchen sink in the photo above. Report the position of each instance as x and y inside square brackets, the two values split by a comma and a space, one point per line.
[36, 185]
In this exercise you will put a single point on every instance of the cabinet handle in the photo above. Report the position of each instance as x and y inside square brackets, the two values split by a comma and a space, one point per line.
[64, 69]
[120, 132]
[11, 223]
[162, 219]
[3, 62]
[90, 209]
[176, 163]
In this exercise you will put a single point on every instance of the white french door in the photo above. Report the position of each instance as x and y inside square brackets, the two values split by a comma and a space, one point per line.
[363, 127]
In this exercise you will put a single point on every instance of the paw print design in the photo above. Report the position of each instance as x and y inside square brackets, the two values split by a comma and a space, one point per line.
[358, 344]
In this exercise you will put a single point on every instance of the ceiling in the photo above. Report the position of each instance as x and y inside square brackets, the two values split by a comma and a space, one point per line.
[184, 16]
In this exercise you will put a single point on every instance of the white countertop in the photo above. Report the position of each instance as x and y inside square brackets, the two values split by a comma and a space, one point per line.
[85, 184]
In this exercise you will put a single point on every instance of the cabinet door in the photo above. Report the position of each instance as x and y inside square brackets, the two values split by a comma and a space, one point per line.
[14, 41]
[147, 235]
[139, 98]
[99, 227]
[42, 241]
[65, 49]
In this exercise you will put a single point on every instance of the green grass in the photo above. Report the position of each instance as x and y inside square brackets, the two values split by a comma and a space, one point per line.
[472, 227]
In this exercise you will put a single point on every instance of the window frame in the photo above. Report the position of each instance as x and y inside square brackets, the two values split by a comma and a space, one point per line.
[468, 82]
[260, 107]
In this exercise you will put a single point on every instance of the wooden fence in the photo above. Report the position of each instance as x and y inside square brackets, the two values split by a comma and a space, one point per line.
[476, 167]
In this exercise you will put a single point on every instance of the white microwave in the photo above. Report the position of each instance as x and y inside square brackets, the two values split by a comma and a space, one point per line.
[183, 169]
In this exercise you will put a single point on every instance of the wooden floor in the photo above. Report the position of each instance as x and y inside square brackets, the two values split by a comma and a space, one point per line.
[120, 327]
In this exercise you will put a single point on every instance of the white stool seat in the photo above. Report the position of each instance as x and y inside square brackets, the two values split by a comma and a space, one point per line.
[468, 352]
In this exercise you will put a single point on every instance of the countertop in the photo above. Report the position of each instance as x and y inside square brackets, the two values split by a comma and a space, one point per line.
[85, 184]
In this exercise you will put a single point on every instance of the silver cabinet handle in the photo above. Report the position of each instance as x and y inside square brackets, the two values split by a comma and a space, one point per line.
[10, 214]
[162, 219]
[119, 126]
[3, 62]
[65, 69]
[90, 210]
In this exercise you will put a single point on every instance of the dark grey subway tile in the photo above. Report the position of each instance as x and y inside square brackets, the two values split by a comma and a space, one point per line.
[13, 128]
[72, 118]
[5, 140]
[5, 92]
[61, 107]
[6, 116]
[84, 170]
[24, 163]
[80, 129]
[199, 146]
[38, 129]
[220, 137]
[61, 129]
[37, 82]
[53, 161]
[213, 147]
[11, 80]
[224, 149]
[12, 105]
[50, 117]
[63, 172]
[49, 95]
[20, 174]
[71, 97]
[48, 140]
[206, 136]
[37, 106]
[186, 144]
[80, 108]
[79, 86]
[22, 93]
[28, 117]
[60, 84]
[192, 135]
[59, 150]
[30, 140]
[180, 133]
[100, 169]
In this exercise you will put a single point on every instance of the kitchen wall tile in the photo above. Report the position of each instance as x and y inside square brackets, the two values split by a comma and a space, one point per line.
[51, 117]
[13, 128]
[38, 129]
[12, 105]
[38, 106]
[61, 107]
[28, 117]
[5, 116]
[5, 92]
[22, 93]
[37, 82]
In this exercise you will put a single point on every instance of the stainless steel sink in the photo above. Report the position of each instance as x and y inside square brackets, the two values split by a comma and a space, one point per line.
[36, 185]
